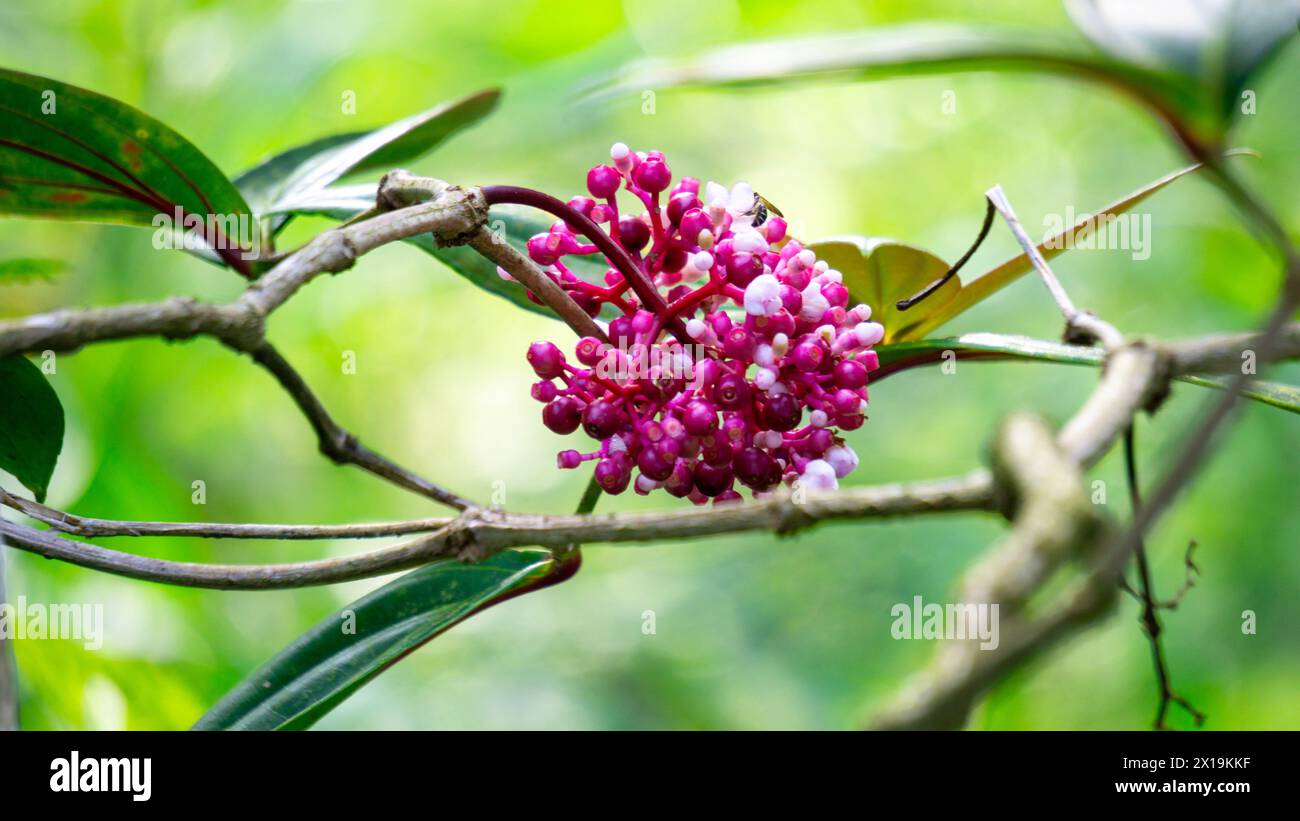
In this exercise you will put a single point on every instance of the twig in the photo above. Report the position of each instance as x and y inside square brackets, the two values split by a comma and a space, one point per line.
[476, 534]
[1150, 618]
[91, 528]
[989, 211]
[401, 189]
[497, 250]
[1190, 572]
[338, 444]
[241, 325]
[1088, 597]
[1079, 325]
[1052, 521]
[8, 664]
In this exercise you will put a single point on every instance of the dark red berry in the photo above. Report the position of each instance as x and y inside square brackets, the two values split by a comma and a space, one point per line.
[742, 267]
[712, 479]
[544, 391]
[601, 419]
[757, 470]
[731, 392]
[633, 233]
[783, 412]
[739, 344]
[700, 418]
[652, 175]
[679, 204]
[563, 415]
[653, 465]
[681, 481]
[613, 473]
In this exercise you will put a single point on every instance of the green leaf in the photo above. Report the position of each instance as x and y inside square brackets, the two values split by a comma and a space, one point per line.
[1219, 43]
[515, 222]
[28, 269]
[1286, 397]
[899, 271]
[326, 665]
[300, 173]
[880, 272]
[69, 153]
[31, 424]
[903, 356]
[915, 49]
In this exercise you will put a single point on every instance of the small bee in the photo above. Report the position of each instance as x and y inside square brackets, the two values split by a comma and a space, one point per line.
[759, 210]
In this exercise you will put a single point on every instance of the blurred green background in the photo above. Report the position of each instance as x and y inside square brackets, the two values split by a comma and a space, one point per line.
[752, 631]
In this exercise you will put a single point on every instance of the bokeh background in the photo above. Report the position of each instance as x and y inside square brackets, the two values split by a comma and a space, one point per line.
[752, 631]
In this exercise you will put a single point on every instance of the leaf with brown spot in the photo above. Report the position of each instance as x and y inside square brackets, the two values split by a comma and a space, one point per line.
[69, 153]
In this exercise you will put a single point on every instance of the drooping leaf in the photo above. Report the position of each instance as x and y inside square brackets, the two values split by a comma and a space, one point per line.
[328, 663]
[29, 269]
[902, 356]
[69, 153]
[31, 424]
[515, 222]
[322, 668]
[299, 174]
[913, 49]
[1219, 43]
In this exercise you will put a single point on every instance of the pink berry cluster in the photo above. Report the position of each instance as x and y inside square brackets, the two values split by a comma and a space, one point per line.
[735, 356]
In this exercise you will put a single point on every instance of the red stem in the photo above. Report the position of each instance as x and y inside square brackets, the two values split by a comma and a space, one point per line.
[628, 267]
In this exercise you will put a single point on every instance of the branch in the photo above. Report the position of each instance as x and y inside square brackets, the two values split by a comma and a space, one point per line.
[1053, 521]
[476, 534]
[338, 444]
[950, 688]
[1150, 618]
[1079, 325]
[1134, 375]
[8, 665]
[91, 528]
[454, 216]
[401, 189]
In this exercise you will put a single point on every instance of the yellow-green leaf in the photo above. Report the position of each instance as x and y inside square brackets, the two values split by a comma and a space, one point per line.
[880, 272]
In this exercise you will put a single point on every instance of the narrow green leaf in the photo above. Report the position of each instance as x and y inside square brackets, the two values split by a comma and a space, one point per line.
[31, 424]
[69, 153]
[298, 174]
[903, 356]
[909, 50]
[880, 272]
[933, 312]
[1286, 397]
[327, 664]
